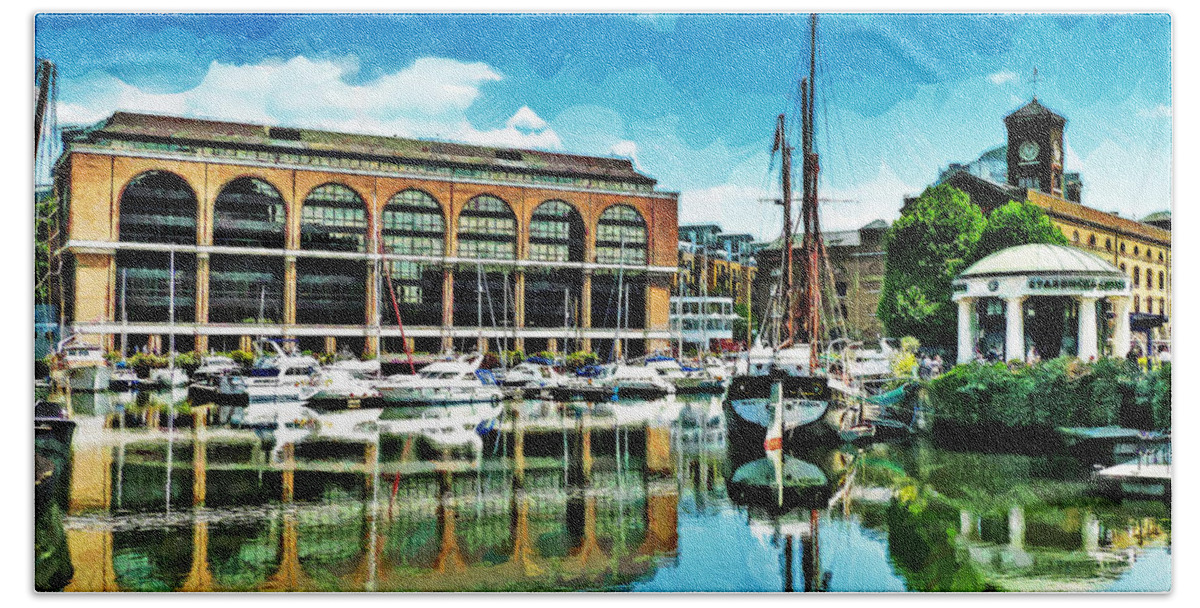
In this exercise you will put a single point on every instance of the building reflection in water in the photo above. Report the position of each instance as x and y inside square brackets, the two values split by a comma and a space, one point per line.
[525, 513]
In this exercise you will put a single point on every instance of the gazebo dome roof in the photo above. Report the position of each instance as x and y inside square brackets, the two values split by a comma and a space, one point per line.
[1038, 259]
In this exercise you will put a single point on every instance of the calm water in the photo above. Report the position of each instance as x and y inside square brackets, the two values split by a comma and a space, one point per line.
[637, 496]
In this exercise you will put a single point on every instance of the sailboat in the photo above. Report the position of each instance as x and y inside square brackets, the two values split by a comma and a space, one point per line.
[787, 364]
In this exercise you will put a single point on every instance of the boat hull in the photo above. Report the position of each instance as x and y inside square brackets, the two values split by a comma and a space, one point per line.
[90, 379]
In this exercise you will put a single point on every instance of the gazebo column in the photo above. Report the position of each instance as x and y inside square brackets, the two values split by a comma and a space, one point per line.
[966, 333]
[1121, 334]
[1014, 335]
[1087, 328]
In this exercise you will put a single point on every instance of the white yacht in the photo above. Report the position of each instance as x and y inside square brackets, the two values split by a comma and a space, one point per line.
[341, 388]
[533, 375]
[171, 377]
[124, 378]
[443, 382]
[685, 379]
[274, 378]
[213, 367]
[617, 380]
[359, 369]
[86, 368]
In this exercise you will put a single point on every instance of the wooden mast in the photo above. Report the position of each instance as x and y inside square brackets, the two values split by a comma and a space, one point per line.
[812, 226]
[786, 161]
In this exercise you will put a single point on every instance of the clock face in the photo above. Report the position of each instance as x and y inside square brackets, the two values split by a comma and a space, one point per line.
[1028, 151]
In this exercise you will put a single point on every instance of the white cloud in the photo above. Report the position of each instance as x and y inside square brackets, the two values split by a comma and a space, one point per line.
[427, 99]
[1158, 111]
[626, 149]
[1002, 77]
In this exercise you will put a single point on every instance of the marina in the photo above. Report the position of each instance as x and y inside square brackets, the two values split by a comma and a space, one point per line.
[555, 497]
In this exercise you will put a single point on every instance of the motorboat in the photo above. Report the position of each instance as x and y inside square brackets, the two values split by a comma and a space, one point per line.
[86, 368]
[360, 369]
[457, 380]
[532, 376]
[274, 378]
[213, 367]
[342, 388]
[124, 378]
[617, 380]
[685, 379]
[168, 377]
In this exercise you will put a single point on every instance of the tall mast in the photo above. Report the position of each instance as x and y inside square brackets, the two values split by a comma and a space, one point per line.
[812, 227]
[786, 160]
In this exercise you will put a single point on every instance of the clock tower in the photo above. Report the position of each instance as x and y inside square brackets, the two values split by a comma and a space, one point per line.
[1035, 148]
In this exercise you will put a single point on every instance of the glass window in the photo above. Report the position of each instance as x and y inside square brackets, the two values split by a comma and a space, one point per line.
[621, 229]
[487, 228]
[333, 218]
[412, 224]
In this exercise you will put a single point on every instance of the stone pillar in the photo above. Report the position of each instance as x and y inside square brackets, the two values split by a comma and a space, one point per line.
[1087, 328]
[372, 313]
[246, 343]
[447, 307]
[519, 310]
[1121, 333]
[1016, 528]
[552, 345]
[1014, 335]
[585, 299]
[966, 333]
[289, 290]
[330, 345]
[371, 348]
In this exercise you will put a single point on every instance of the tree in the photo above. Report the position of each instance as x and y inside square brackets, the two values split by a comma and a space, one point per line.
[934, 239]
[1017, 223]
[741, 326]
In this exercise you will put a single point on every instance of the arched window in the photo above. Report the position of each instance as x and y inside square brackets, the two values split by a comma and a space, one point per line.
[1122, 247]
[1149, 255]
[556, 233]
[1162, 280]
[249, 213]
[1075, 236]
[1162, 306]
[487, 228]
[158, 207]
[332, 291]
[412, 224]
[334, 218]
[1136, 250]
[1137, 276]
[1092, 240]
[621, 229]
[1108, 244]
[1122, 266]
[1160, 256]
[1137, 304]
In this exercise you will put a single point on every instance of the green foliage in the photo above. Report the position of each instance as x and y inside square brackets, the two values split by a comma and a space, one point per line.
[742, 325]
[513, 357]
[1016, 223]
[547, 355]
[932, 242]
[1058, 392]
[937, 237]
[142, 363]
[581, 358]
[188, 361]
[242, 357]
[904, 363]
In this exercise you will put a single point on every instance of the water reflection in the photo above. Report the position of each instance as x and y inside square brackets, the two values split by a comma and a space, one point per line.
[546, 496]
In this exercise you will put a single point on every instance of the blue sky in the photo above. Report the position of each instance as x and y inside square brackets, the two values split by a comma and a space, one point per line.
[692, 99]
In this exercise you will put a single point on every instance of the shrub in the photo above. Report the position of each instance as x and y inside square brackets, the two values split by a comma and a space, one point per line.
[1053, 393]
[242, 357]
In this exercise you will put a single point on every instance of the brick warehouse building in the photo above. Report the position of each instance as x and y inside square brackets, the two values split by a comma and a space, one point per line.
[285, 232]
[1030, 167]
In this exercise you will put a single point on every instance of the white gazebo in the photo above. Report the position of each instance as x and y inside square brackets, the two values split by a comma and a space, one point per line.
[1056, 291]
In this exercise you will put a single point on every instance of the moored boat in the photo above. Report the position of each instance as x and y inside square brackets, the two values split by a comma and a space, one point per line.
[443, 382]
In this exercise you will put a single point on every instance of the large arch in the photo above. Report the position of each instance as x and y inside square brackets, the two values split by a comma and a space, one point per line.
[621, 238]
[332, 291]
[556, 234]
[248, 212]
[487, 231]
[156, 207]
[412, 224]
